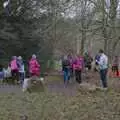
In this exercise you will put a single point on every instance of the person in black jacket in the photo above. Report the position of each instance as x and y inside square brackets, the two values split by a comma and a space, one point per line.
[88, 61]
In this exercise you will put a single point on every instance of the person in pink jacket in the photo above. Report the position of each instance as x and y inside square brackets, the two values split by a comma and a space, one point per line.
[34, 66]
[14, 69]
[77, 67]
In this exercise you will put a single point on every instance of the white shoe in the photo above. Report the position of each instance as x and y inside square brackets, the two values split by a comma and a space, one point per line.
[103, 89]
[23, 89]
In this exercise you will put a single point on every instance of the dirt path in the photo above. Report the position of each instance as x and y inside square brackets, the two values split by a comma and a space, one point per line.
[10, 89]
[57, 86]
[52, 86]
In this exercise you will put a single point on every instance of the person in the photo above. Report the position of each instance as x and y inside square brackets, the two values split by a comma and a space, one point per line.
[97, 58]
[88, 61]
[21, 69]
[1, 73]
[34, 66]
[70, 58]
[115, 66]
[66, 70]
[103, 66]
[14, 69]
[6, 6]
[78, 66]
[7, 73]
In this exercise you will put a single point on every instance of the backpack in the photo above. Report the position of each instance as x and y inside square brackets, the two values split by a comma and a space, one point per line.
[66, 64]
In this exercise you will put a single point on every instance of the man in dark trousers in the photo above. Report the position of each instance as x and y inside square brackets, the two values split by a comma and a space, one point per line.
[103, 66]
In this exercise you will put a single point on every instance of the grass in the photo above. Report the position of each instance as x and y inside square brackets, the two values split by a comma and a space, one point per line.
[97, 105]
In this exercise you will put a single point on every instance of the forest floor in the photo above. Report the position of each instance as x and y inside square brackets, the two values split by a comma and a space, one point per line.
[54, 102]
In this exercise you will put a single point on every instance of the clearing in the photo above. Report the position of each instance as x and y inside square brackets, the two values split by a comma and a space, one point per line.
[59, 103]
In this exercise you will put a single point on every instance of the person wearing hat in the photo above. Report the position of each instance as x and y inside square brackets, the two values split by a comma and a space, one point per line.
[34, 66]
[21, 69]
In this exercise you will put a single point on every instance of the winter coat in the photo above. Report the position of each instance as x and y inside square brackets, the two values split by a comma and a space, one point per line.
[34, 67]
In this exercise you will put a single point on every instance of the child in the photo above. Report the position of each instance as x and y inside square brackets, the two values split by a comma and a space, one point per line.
[115, 66]
[97, 58]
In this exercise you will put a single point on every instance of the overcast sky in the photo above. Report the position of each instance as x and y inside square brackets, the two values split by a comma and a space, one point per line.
[71, 12]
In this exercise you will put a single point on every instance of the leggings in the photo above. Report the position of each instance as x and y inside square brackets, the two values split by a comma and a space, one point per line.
[78, 76]
[115, 69]
[15, 75]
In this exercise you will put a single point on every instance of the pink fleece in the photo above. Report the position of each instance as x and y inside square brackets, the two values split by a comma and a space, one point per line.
[13, 65]
[78, 64]
[34, 67]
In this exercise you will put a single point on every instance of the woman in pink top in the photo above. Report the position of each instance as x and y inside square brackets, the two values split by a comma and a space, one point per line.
[14, 69]
[34, 66]
[77, 67]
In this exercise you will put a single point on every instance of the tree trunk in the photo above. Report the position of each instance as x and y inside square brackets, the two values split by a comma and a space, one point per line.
[83, 41]
[104, 31]
[112, 14]
[78, 45]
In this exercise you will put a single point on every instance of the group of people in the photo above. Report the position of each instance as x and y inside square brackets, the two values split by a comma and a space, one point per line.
[16, 69]
[71, 66]
[75, 65]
